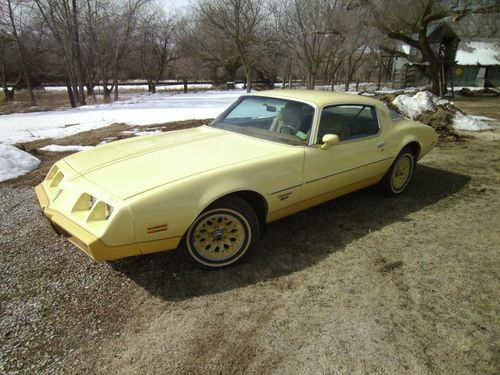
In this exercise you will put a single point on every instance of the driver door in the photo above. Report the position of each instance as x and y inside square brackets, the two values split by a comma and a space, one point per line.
[357, 161]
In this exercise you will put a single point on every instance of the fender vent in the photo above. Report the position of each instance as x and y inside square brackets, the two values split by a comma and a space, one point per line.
[158, 228]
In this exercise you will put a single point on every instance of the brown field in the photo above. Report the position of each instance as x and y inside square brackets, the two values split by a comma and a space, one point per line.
[362, 284]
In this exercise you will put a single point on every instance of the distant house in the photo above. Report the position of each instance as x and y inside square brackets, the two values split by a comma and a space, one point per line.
[409, 67]
[477, 63]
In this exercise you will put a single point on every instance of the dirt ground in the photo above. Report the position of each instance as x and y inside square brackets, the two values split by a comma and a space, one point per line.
[362, 284]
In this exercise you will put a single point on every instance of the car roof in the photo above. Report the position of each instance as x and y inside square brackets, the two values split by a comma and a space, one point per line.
[320, 98]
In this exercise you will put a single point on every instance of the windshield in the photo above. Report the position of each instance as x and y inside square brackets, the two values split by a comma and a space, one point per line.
[273, 119]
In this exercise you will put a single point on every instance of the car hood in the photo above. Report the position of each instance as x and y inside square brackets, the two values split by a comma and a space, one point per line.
[132, 166]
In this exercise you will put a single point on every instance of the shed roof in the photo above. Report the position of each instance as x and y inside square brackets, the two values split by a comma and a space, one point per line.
[478, 52]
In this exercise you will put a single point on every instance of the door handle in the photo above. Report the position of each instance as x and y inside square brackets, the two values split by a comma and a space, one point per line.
[381, 144]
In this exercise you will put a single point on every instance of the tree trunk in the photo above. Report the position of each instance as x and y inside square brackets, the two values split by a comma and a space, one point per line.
[379, 77]
[115, 84]
[434, 77]
[21, 55]
[434, 68]
[347, 83]
[90, 83]
[90, 90]
[107, 91]
[77, 54]
[71, 95]
[311, 80]
[248, 79]
[9, 94]
[74, 84]
[312, 84]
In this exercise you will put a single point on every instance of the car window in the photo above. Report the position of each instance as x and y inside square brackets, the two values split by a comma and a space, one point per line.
[274, 119]
[395, 116]
[348, 122]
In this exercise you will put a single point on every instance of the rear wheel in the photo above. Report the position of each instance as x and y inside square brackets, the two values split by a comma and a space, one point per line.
[222, 234]
[399, 174]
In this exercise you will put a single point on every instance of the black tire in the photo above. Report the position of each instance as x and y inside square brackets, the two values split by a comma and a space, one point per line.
[223, 234]
[399, 174]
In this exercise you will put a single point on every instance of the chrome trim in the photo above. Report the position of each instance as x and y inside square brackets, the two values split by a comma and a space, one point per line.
[285, 189]
[349, 169]
[315, 125]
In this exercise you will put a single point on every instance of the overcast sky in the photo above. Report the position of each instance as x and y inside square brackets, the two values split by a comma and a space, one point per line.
[175, 4]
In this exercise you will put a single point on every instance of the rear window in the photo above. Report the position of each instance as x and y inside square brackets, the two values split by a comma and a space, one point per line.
[395, 116]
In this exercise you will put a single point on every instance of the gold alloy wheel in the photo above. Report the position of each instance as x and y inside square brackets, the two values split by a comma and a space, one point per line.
[402, 172]
[218, 236]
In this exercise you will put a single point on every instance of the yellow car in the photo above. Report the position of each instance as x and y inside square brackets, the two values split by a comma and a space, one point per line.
[210, 190]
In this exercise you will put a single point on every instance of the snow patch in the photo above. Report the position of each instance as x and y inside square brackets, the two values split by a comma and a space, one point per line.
[15, 162]
[139, 133]
[462, 121]
[68, 148]
[141, 109]
[413, 106]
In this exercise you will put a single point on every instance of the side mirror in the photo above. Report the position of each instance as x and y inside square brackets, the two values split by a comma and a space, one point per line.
[329, 140]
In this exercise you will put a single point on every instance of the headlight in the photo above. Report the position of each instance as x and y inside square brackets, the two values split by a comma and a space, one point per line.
[91, 201]
[89, 208]
[54, 179]
[101, 211]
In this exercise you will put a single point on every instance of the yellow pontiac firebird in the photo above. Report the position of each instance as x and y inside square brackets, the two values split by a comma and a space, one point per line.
[210, 190]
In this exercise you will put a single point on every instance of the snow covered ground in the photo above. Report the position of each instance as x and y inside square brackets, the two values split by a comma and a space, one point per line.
[139, 109]
[15, 163]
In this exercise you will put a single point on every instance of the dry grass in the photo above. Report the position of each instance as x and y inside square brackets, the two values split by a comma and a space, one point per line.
[362, 284]
[46, 101]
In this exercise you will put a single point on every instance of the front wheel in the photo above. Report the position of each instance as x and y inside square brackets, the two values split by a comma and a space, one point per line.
[399, 174]
[222, 234]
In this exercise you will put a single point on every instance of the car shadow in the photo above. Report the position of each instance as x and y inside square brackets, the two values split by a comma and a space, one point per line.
[293, 243]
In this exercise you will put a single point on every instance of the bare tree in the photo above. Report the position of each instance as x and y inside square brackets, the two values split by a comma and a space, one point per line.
[76, 51]
[308, 28]
[240, 21]
[61, 17]
[10, 21]
[201, 47]
[126, 21]
[157, 45]
[6, 46]
[99, 25]
[356, 31]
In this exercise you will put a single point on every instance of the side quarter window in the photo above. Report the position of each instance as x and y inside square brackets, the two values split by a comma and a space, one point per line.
[350, 121]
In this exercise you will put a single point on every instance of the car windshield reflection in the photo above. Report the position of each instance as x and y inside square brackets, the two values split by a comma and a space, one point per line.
[273, 119]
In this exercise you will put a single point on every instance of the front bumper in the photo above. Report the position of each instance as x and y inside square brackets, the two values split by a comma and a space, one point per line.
[85, 241]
